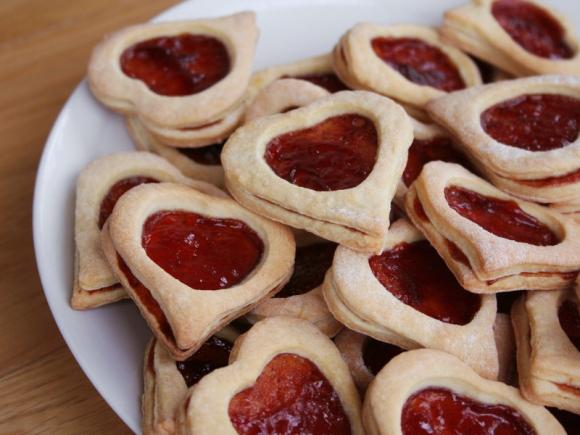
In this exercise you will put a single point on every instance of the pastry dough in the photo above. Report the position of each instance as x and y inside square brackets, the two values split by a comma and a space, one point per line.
[357, 298]
[484, 262]
[548, 361]
[417, 371]
[357, 216]
[208, 407]
[180, 316]
[474, 29]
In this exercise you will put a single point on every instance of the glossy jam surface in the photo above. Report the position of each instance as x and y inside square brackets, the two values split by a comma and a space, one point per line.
[504, 218]
[570, 321]
[419, 62]
[329, 81]
[179, 65]
[115, 192]
[202, 252]
[534, 122]
[377, 354]
[416, 275]
[425, 151]
[338, 153]
[534, 29]
[310, 265]
[437, 410]
[572, 177]
[213, 354]
[291, 396]
[208, 155]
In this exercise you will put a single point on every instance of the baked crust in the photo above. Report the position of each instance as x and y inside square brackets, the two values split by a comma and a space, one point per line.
[92, 272]
[474, 29]
[356, 217]
[143, 140]
[460, 114]
[546, 357]
[495, 263]
[121, 93]
[415, 370]
[506, 348]
[193, 315]
[357, 64]
[351, 345]
[358, 300]
[205, 409]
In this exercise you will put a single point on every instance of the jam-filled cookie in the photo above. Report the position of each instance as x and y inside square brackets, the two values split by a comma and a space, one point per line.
[99, 186]
[407, 296]
[522, 37]
[431, 392]
[408, 63]
[547, 329]
[176, 75]
[522, 134]
[331, 167]
[284, 376]
[191, 262]
[490, 240]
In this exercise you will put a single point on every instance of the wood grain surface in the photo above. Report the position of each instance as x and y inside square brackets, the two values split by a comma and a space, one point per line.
[44, 47]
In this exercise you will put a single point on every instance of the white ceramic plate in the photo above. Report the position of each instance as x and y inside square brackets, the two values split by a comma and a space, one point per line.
[109, 342]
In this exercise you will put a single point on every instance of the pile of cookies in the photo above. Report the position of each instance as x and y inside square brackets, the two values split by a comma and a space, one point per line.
[368, 241]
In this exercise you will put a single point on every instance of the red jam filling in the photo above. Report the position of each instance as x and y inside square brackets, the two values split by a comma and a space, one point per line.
[416, 275]
[213, 354]
[208, 155]
[425, 151]
[115, 192]
[147, 300]
[504, 218]
[419, 62]
[291, 396]
[310, 266]
[329, 81]
[570, 421]
[377, 354]
[572, 177]
[202, 252]
[570, 321]
[534, 29]
[436, 410]
[569, 389]
[338, 153]
[534, 122]
[177, 65]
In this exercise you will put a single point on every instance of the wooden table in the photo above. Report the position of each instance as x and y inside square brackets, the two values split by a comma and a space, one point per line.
[44, 47]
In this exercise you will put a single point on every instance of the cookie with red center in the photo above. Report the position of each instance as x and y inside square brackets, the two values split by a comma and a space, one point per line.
[521, 37]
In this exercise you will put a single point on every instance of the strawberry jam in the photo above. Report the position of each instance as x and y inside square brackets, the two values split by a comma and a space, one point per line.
[570, 321]
[534, 122]
[213, 354]
[177, 65]
[419, 62]
[534, 29]
[208, 155]
[416, 275]
[202, 252]
[337, 153]
[310, 266]
[115, 192]
[571, 177]
[377, 354]
[504, 218]
[291, 396]
[425, 151]
[437, 410]
[329, 81]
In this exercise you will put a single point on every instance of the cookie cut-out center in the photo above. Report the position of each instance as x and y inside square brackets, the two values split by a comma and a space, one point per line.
[202, 252]
[207, 155]
[534, 29]
[416, 275]
[291, 396]
[377, 354]
[335, 154]
[436, 410]
[570, 321]
[213, 354]
[179, 65]
[419, 62]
